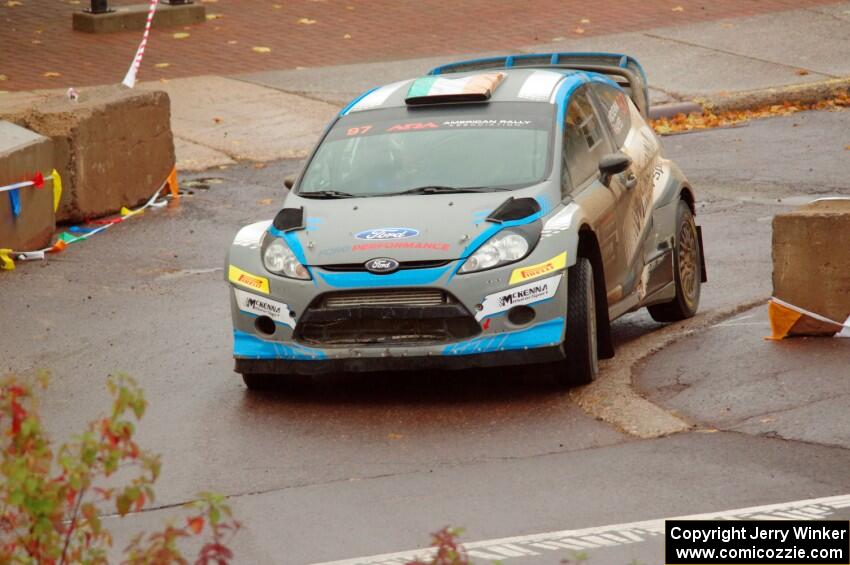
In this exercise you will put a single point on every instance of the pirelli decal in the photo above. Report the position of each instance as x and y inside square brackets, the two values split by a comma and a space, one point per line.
[531, 272]
[246, 279]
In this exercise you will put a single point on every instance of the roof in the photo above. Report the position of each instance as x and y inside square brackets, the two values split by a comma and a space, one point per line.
[519, 85]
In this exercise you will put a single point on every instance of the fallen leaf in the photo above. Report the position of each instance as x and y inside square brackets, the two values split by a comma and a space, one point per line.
[678, 9]
[13, 3]
[162, 65]
[347, 36]
[214, 16]
[585, 21]
[265, 202]
[180, 35]
[73, 1]
[579, 30]
[209, 1]
[300, 68]
[51, 74]
[306, 21]
[801, 72]
[232, 42]
[195, 524]
[259, 165]
[36, 42]
[349, 7]
[394, 436]
[217, 120]
[3, 77]
[727, 26]
[261, 49]
[847, 147]
[277, 6]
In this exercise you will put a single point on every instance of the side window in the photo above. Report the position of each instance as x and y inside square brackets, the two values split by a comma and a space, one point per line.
[615, 106]
[584, 141]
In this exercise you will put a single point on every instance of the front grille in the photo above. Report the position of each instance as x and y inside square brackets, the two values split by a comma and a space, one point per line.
[391, 297]
[385, 318]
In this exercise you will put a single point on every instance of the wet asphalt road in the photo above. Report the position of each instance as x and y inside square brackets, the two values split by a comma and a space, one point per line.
[359, 465]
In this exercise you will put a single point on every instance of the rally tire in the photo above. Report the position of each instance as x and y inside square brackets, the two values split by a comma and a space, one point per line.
[687, 271]
[580, 342]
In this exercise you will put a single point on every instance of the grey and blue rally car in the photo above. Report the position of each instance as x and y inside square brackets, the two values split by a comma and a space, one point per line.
[495, 212]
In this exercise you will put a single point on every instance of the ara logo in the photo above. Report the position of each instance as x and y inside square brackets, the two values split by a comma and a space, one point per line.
[386, 233]
[382, 266]
[413, 126]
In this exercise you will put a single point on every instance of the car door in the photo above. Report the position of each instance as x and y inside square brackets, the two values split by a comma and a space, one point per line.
[585, 143]
[633, 136]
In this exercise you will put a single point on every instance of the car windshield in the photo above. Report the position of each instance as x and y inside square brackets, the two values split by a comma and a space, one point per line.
[468, 147]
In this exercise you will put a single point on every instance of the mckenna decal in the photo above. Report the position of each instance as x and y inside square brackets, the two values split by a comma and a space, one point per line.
[260, 306]
[519, 296]
[530, 272]
[380, 234]
[246, 279]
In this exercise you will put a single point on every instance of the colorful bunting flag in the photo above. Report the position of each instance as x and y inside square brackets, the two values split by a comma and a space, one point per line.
[57, 188]
[15, 201]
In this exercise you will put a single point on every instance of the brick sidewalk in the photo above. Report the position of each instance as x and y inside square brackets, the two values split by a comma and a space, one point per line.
[39, 50]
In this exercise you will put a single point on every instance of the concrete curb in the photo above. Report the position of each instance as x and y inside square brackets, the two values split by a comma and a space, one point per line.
[613, 398]
[807, 93]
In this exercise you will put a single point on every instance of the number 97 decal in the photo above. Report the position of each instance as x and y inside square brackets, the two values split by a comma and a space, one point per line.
[358, 130]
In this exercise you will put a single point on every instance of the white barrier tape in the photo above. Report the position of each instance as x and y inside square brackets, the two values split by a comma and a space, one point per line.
[22, 184]
[40, 254]
[130, 78]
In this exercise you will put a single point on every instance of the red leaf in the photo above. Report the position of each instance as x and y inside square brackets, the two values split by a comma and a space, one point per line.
[195, 524]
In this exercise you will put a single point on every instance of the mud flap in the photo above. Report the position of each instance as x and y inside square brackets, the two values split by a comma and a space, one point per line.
[704, 277]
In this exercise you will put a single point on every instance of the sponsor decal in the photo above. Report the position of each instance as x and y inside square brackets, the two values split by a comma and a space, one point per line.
[401, 245]
[413, 126]
[262, 306]
[530, 272]
[488, 123]
[379, 234]
[382, 266]
[519, 296]
[246, 279]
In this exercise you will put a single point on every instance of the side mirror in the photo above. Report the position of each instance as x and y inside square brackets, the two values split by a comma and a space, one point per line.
[288, 182]
[613, 164]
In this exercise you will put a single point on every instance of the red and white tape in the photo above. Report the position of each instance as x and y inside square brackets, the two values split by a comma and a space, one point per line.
[130, 78]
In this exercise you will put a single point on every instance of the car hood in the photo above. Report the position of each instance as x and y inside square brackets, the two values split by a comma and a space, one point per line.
[405, 228]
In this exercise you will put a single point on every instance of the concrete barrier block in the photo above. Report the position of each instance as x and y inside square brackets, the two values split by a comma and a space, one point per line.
[134, 17]
[22, 154]
[811, 258]
[113, 147]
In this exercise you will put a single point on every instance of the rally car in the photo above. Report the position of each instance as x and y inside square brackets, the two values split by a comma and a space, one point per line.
[495, 212]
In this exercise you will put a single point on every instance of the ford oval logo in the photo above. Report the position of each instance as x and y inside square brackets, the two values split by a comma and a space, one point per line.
[382, 266]
[381, 234]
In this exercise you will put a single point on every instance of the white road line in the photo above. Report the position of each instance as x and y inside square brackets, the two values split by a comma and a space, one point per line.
[633, 531]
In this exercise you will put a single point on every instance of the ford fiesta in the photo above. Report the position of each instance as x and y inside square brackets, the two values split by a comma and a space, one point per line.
[494, 212]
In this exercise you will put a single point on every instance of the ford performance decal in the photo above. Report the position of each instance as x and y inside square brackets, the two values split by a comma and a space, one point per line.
[383, 234]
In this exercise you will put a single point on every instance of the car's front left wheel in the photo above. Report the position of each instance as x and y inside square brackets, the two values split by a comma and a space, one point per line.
[687, 270]
[582, 363]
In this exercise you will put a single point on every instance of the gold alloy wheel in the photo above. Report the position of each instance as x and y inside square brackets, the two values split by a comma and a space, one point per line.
[688, 263]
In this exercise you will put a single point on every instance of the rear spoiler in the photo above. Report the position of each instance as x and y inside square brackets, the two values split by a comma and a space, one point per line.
[622, 69]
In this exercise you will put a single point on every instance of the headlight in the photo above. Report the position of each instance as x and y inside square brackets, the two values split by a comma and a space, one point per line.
[503, 248]
[279, 258]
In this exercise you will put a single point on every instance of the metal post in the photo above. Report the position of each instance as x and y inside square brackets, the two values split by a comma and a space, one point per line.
[99, 7]
[177, 2]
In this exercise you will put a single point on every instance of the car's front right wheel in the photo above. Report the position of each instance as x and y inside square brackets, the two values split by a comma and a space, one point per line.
[582, 363]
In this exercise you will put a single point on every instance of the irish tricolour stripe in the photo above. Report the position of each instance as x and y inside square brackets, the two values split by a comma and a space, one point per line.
[483, 85]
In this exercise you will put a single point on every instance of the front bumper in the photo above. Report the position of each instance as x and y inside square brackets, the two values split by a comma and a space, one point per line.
[486, 297]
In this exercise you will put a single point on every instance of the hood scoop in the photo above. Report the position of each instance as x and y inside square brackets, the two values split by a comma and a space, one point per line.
[514, 209]
[289, 219]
